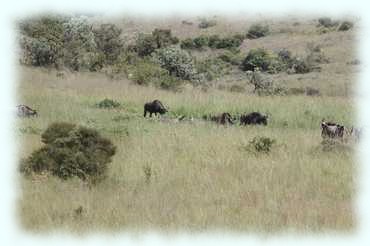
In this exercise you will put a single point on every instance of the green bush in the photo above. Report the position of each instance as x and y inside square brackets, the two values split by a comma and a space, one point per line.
[41, 40]
[204, 23]
[80, 49]
[345, 26]
[71, 151]
[231, 57]
[177, 62]
[187, 44]
[200, 42]
[145, 44]
[108, 103]
[213, 40]
[160, 38]
[257, 31]
[211, 68]
[258, 58]
[38, 52]
[164, 38]
[109, 42]
[147, 72]
[216, 42]
[262, 144]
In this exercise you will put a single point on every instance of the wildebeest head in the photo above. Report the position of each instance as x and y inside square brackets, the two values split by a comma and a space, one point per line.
[226, 119]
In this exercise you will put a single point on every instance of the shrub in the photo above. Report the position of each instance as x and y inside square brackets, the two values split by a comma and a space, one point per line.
[80, 48]
[200, 42]
[345, 26]
[41, 40]
[187, 44]
[177, 62]
[147, 72]
[108, 103]
[204, 23]
[145, 44]
[261, 85]
[213, 40]
[327, 22]
[258, 58]
[196, 43]
[164, 38]
[231, 57]
[228, 43]
[160, 38]
[212, 68]
[257, 31]
[69, 151]
[109, 42]
[261, 144]
[216, 42]
[301, 65]
[285, 55]
[38, 52]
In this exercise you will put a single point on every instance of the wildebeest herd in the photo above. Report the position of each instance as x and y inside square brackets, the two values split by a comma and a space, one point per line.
[329, 130]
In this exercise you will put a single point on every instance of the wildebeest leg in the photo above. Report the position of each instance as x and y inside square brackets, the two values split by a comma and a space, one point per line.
[150, 114]
[144, 113]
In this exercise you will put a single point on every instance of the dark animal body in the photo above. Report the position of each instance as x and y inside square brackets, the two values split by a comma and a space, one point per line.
[25, 111]
[331, 130]
[154, 107]
[223, 119]
[253, 118]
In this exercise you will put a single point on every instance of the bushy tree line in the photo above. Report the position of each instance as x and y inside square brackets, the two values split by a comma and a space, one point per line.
[71, 42]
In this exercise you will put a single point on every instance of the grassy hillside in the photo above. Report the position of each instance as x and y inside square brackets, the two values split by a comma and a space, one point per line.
[197, 175]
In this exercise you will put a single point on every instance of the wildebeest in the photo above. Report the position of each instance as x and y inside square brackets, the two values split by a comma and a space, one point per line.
[254, 118]
[331, 130]
[223, 119]
[154, 107]
[25, 111]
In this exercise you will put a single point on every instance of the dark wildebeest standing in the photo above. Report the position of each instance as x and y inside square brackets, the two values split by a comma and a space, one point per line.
[223, 119]
[25, 111]
[331, 130]
[154, 107]
[254, 118]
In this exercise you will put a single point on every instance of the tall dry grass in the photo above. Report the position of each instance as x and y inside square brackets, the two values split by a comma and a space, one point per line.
[188, 176]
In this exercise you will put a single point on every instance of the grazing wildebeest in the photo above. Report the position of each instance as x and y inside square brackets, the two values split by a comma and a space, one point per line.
[331, 130]
[254, 118]
[25, 111]
[154, 107]
[223, 119]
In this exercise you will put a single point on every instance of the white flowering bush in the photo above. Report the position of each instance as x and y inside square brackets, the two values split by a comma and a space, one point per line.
[178, 62]
[80, 48]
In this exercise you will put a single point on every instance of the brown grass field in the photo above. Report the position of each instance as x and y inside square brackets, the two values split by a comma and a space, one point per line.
[202, 177]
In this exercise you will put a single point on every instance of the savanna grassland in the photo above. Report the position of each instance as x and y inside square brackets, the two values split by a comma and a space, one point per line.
[196, 175]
